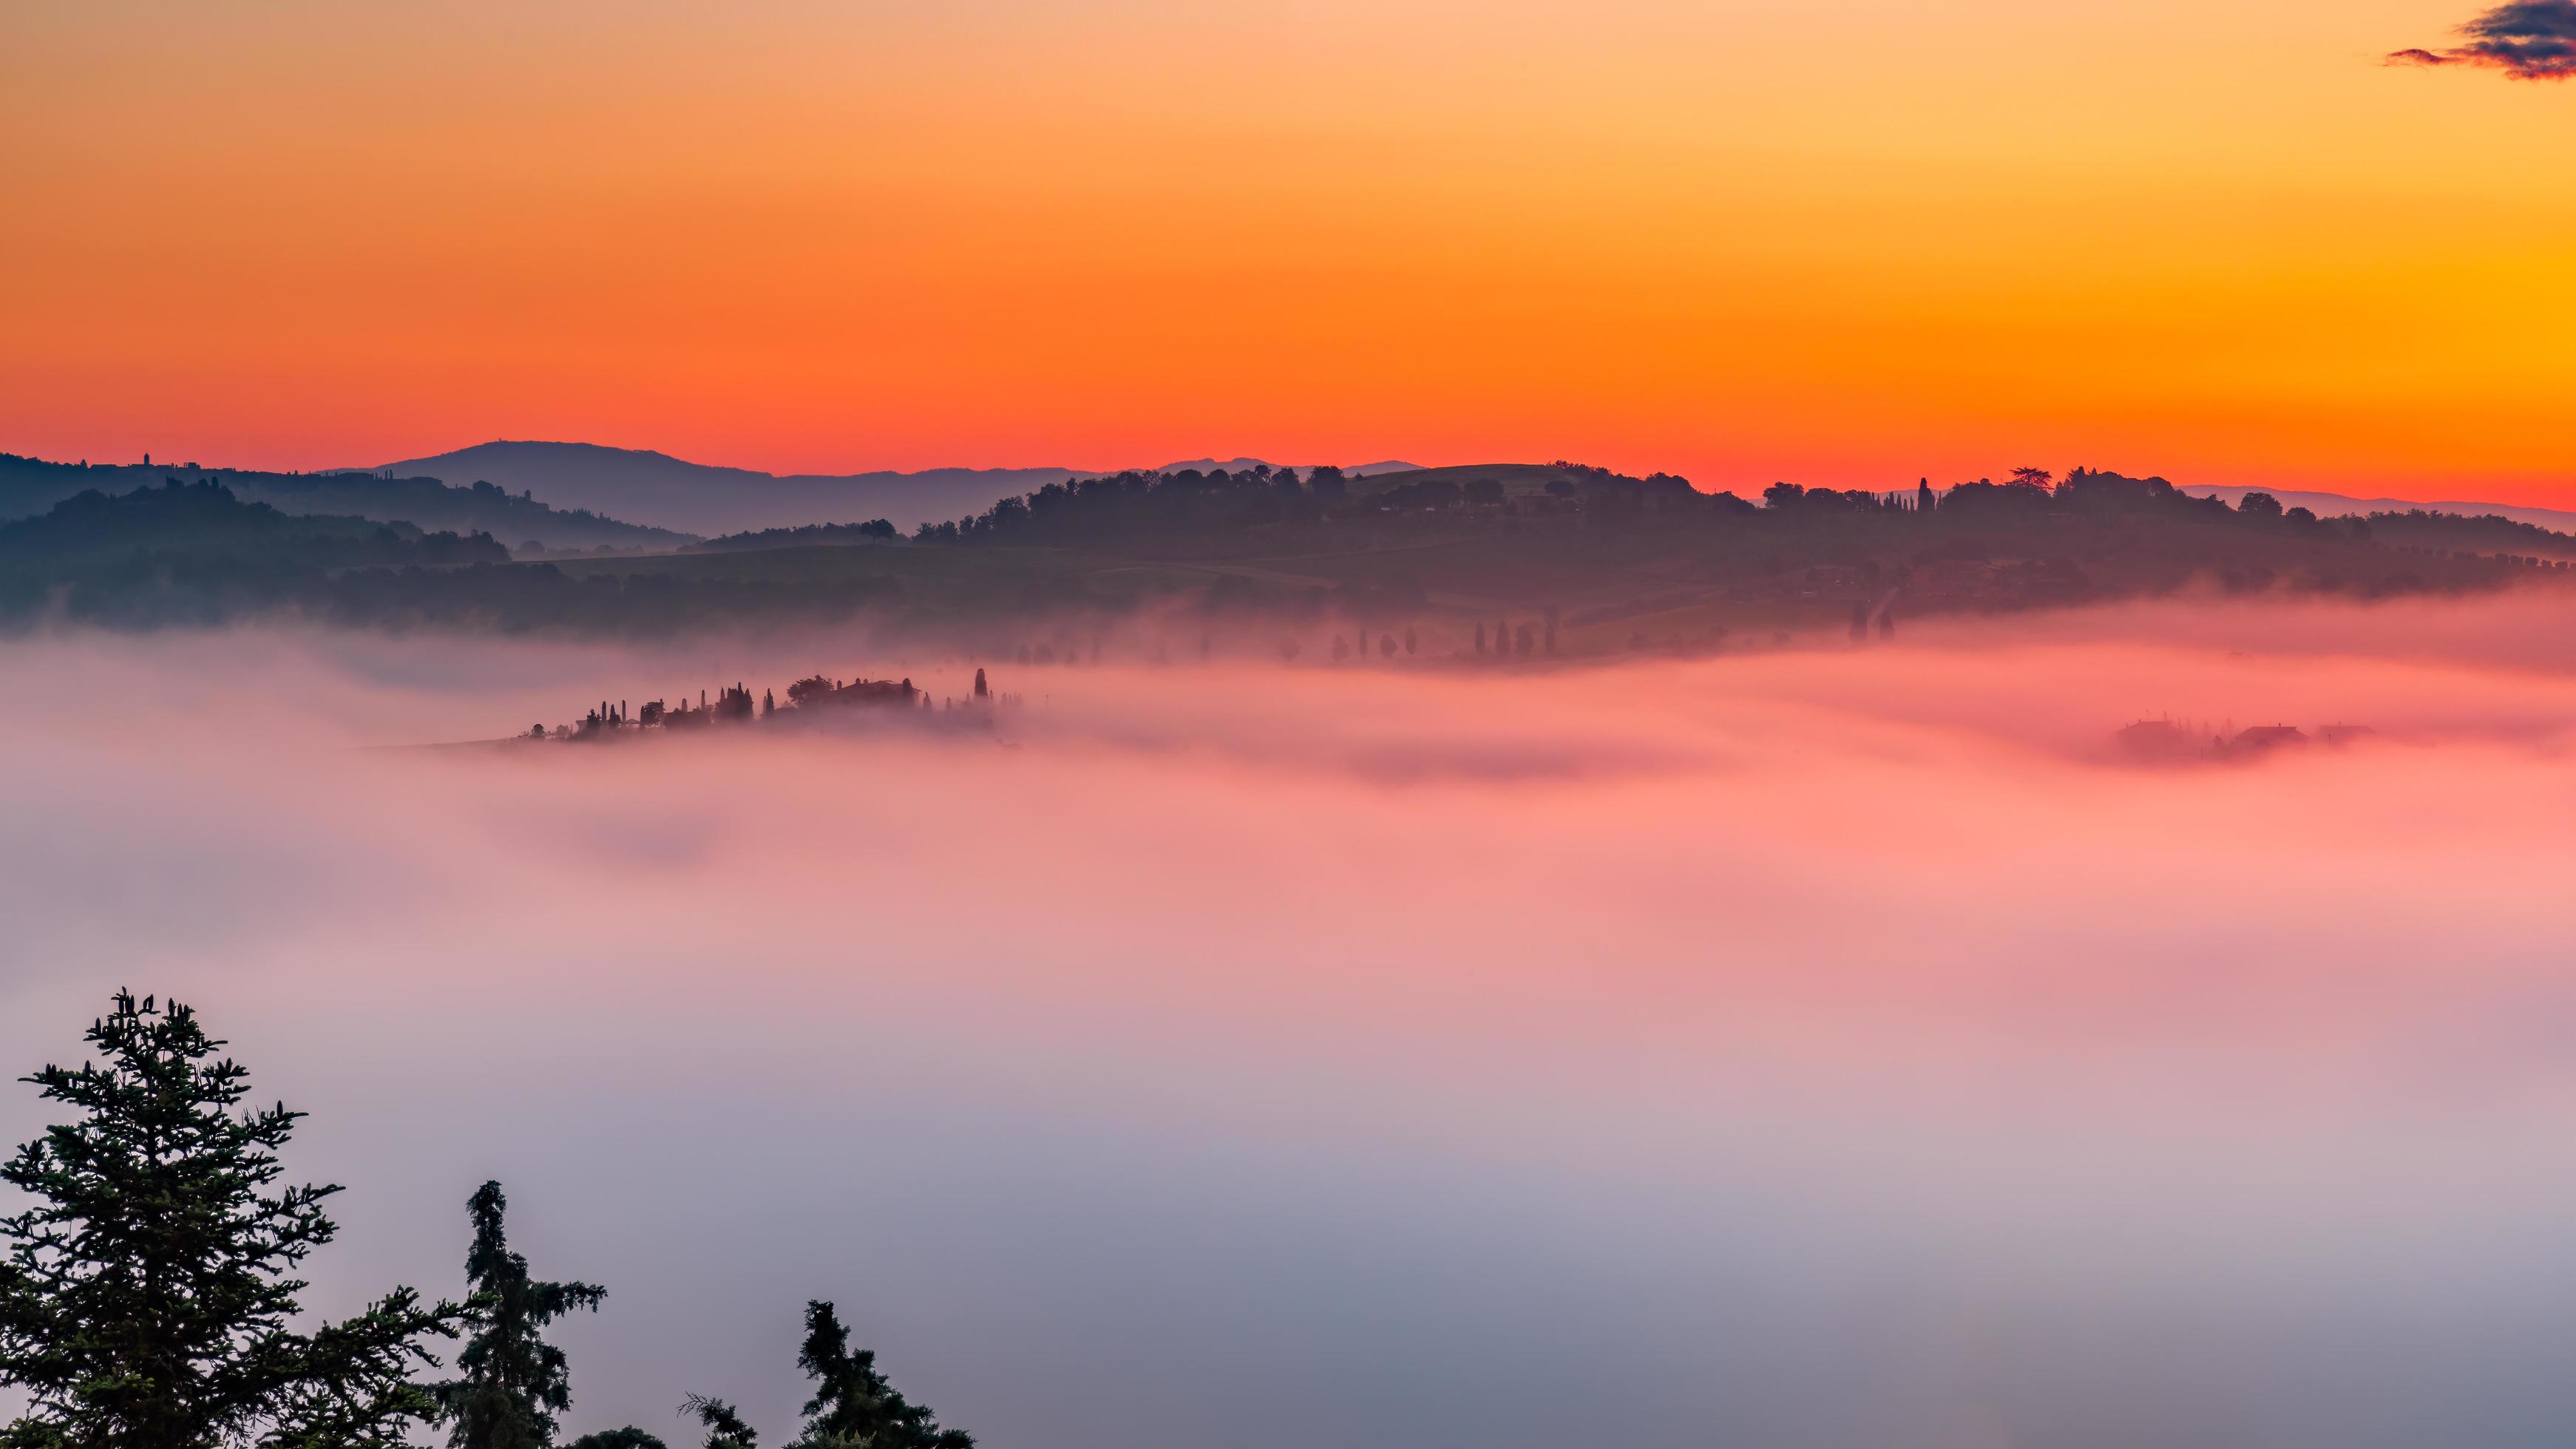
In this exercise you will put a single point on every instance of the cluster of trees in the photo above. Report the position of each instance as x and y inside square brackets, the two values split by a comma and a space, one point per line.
[2033, 494]
[1142, 505]
[2484, 533]
[733, 705]
[149, 1297]
[1133, 502]
[1520, 643]
[875, 530]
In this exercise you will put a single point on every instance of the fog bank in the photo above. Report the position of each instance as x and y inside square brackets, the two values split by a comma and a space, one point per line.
[1803, 1047]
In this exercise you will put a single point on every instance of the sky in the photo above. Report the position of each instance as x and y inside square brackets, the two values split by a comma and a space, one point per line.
[1795, 1049]
[1845, 244]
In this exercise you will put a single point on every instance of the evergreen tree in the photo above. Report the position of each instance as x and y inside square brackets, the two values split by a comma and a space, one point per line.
[146, 1295]
[629, 1437]
[725, 1428]
[512, 1382]
[853, 1406]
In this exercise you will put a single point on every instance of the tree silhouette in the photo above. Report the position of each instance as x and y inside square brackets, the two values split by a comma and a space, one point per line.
[146, 1295]
[511, 1381]
[853, 1406]
[725, 1428]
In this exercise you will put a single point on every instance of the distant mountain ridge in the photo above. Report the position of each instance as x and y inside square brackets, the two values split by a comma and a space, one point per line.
[2337, 505]
[650, 487]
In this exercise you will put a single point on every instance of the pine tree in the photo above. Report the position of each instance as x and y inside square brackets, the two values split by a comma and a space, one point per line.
[146, 1295]
[512, 1382]
[853, 1406]
[725, 1428]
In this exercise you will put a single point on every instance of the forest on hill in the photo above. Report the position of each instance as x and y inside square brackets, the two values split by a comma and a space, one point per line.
[194, 554]
[29, 486]
[1262, 557]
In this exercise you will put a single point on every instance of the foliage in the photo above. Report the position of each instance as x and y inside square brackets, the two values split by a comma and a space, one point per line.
[147, 1293]
[853, 1406]
[725, 1428]
[875, 530]
[511, 1382]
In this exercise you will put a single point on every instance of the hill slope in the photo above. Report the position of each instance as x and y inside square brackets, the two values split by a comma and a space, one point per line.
[29, 486]
[2338, 505]
[703, 498]
[709, 499]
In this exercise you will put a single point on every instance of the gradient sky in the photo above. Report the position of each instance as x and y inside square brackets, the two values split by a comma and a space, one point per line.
[1847, 244]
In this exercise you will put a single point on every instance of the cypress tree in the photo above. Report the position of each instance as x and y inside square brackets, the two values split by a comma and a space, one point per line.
[511, 1381]
[853, 1406]
[146, 1296]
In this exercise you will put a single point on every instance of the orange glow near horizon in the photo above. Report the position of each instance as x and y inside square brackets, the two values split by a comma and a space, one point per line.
[1739, 242]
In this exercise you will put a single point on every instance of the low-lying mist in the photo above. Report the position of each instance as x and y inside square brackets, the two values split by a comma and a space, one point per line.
[1804, 1047]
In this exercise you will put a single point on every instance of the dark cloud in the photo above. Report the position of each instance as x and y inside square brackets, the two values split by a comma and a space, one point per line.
[2526, 39]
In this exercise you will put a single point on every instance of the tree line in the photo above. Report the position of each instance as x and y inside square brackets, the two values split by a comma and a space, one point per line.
[149, 1295]
[1144, 504]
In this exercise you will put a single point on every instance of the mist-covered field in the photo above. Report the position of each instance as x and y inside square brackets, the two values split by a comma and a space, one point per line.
[1825, 1047]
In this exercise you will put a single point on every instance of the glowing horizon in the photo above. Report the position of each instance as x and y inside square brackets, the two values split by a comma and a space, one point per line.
[1736, 243]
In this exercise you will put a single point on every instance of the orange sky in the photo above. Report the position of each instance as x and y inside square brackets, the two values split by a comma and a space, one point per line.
[1845, 244]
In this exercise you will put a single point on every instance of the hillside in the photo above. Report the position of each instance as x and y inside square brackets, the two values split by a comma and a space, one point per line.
[2339, 505]
[1266, 557]
[206, 520]
[193, 554]
[29, 486]
[708, 499]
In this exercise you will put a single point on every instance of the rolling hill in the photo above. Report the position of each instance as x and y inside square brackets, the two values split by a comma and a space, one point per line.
[29, 486]
[704, 498]
[2338, 505]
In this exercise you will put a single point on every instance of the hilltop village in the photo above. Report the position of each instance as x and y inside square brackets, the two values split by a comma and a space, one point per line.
[814, 700]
